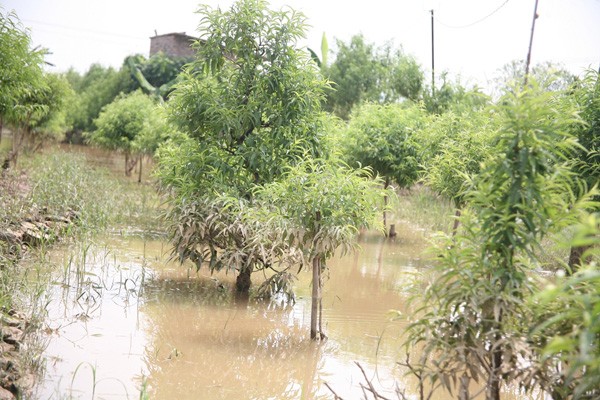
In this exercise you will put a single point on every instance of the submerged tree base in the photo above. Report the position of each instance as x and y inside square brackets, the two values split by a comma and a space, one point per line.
[244, 281]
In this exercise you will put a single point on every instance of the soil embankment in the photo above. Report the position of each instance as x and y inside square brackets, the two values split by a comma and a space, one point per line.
[16, 237]
[14, 379]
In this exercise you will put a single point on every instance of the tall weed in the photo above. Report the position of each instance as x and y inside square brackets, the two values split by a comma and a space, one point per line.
[420, 206]
[65, 181]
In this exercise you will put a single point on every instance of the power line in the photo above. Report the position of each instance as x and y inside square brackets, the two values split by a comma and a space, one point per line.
[77, 29]
[74, 35]
[475, 22]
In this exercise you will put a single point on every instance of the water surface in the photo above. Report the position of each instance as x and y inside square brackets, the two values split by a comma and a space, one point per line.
[121, 316]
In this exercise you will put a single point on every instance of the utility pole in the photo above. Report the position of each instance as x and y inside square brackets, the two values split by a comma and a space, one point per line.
[432, 59]
[535, 17]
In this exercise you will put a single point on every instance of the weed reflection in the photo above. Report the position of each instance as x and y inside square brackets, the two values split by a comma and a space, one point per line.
[198, 291]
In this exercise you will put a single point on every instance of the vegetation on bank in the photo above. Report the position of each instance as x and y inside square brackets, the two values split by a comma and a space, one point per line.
[53, 196]
[54, 184]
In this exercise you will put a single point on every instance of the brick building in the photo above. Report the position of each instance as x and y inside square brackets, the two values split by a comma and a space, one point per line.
[176, 44]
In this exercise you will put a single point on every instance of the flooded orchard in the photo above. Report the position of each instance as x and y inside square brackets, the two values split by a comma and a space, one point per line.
[248, 155]
[122, 319]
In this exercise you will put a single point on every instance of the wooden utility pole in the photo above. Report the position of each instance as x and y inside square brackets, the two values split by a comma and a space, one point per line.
[528, 62]
[433, 58]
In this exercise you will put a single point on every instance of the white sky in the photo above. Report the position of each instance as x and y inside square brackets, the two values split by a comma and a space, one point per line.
[82, 32]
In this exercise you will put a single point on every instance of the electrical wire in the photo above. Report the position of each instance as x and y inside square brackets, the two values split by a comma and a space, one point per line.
[475, 22]
[39, 32]
[82, 29]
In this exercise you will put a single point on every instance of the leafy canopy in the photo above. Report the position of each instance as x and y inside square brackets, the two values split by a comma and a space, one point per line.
[344, 198]
[123, 121]
[252, 97]
[56, 96]
[21, 71]
[548, 76]
[161, 69]
[361, 73]
[98, 87]
[587, 96]
[317, 208]
[452, 95]
[568, 334]
[384, 138]
[453, 147]
[248, 108]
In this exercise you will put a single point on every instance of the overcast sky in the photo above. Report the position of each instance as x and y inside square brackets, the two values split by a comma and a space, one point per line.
[473, 38]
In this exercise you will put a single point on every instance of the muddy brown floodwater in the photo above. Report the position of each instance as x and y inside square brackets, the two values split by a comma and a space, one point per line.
[121, 317]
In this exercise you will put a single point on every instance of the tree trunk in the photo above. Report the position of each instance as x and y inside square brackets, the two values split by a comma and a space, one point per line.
[16, 144]
[392, 233]
[385, 204]
[316, 290]
[493, 389]
[37, 147]
[133, 161]
[463, 393]
[576, 258]
[30, 142]
[126, 164]
[243, 280]
[495, 373]
[321, 331]
[140, 172]
[1, 127]
[456, 221]
[316, 297]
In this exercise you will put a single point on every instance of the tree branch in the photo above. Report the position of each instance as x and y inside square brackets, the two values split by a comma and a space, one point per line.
[370, 388]
[335, 395]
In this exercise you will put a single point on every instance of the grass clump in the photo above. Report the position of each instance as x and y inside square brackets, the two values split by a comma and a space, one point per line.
[55, 184]
[63, 182]
[421, 207]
